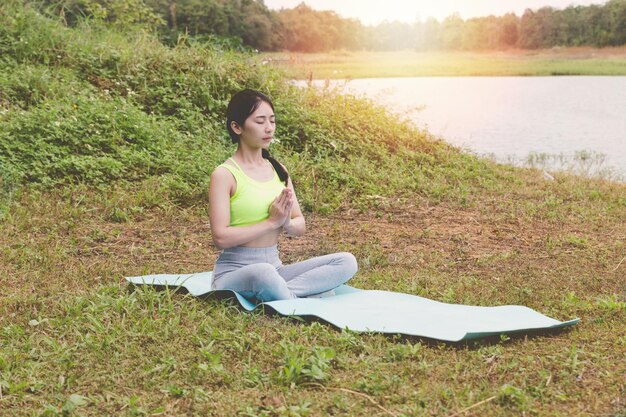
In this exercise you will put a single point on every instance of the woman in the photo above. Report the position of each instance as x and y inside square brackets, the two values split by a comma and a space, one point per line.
[252, 200]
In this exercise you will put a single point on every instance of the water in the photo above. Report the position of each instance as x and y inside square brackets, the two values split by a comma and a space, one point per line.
[576, 123]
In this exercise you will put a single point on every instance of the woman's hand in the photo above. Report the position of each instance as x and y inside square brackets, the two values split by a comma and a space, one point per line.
[280, 210]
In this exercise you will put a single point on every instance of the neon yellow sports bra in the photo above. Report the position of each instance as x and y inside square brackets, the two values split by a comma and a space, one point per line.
[252, 200]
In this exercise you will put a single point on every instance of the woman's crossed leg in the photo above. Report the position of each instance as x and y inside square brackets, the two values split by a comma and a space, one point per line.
[300, 279]
[319, 274]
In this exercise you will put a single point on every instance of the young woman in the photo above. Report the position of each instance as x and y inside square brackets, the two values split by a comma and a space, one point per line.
[252, 200]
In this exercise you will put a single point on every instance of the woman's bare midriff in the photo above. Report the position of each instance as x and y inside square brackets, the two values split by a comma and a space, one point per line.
[270, 239]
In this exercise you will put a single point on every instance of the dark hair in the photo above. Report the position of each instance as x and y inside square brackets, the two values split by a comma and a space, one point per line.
[242, 105]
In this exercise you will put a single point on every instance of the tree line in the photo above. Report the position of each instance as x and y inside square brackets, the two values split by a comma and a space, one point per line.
[303, 29]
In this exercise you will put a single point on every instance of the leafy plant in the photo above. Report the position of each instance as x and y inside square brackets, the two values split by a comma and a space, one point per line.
[300, 366]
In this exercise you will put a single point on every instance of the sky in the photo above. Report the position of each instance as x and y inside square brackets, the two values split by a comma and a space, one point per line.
[371, 12]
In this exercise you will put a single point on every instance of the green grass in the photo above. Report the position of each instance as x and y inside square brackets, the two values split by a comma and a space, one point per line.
[75, 336]
[348, 64]
[118, 188]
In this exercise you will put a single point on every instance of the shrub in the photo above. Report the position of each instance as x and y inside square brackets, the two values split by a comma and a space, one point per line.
[97, 105]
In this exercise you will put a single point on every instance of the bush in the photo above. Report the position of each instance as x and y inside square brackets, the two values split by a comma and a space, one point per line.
[97, 105]
[85, 140]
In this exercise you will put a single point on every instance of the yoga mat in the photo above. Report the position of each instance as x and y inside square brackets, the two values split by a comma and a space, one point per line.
[382, 311]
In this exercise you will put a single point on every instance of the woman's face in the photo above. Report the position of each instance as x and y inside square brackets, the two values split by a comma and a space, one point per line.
[258, 128]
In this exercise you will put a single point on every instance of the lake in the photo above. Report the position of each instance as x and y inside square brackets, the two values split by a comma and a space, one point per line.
[559, 122]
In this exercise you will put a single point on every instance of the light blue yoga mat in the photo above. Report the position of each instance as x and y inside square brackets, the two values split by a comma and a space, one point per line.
[383, 311]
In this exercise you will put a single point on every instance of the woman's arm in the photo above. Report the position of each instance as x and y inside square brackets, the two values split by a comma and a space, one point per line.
[295, 224]
[225, 236]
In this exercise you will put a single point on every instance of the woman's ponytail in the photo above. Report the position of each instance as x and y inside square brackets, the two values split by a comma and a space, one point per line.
[282, 174]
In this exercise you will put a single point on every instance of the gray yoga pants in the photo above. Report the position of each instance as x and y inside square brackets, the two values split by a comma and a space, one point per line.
[259, 273]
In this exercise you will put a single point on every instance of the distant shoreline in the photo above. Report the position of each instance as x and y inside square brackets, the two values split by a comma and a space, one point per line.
[515, 62]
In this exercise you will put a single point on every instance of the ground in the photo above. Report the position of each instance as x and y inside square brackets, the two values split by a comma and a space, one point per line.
[65, 258]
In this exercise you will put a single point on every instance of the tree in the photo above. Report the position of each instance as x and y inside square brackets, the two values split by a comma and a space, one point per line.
[452, 31]
[121, 13]
[308, 30]
[508, 30]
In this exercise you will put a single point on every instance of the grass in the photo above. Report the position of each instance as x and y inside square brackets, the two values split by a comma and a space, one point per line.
[583, 163]
[420, 217]
[75, 337]
[351, 64]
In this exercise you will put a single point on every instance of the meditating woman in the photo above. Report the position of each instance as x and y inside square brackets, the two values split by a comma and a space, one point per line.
[252, 200]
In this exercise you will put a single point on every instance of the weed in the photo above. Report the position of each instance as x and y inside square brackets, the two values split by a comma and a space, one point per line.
[512, 397]
[402, 352]
[301, 367]
[300, 410]
[611, 303]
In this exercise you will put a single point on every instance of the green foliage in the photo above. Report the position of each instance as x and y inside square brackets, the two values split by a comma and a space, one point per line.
[301, 367]
[85, 139]
[611, 303]
[512, 397]
[403, 352]
[307, 30]
[100, 106]
[120, 13]
[82, 107]
[304, 29]
[10, 179]
[574, 26]
[300, 410]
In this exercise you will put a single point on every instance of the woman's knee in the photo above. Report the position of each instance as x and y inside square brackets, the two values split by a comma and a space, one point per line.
[267, 284]
[264, 275]
[350, 262]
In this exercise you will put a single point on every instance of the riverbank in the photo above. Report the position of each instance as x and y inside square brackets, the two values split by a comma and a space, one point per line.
[572, 123]
[555, 61]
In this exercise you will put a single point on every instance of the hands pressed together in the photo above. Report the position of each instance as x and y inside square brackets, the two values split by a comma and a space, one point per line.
[280, 210]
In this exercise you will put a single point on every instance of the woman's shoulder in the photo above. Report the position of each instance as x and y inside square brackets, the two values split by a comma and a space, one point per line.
[227, 163]
[223, 171]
